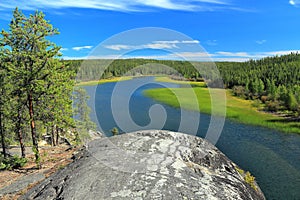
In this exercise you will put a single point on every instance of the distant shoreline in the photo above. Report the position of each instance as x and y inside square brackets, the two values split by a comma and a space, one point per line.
[238, 109]
[102, 81]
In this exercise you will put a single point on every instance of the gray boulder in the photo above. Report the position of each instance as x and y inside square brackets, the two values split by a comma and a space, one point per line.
[148, 165]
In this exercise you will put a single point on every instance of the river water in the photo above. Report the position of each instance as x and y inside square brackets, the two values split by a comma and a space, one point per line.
[271, 156]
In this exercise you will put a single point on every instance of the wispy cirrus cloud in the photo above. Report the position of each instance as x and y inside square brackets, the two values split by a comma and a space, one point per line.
[249, 55]
[165, 44]
[177, 42]
[121, 5]
[260, 41]
[64, 49]
[196, 56]
[81, 48]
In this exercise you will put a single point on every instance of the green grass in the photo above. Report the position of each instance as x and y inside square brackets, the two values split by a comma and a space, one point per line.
[237, 109]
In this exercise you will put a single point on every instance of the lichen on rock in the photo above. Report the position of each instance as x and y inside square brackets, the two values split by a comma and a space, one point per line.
[151, 164]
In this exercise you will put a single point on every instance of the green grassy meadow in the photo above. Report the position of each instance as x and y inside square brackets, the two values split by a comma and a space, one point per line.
[237, 109]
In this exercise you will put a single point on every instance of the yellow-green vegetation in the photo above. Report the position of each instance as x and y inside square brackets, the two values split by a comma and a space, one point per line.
[167, 79]
[237, 109]
[102, 81]
[248, 178]
[115, 131]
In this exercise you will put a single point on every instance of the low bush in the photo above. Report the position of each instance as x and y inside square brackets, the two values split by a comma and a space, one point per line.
[272, 106]
[11, 162]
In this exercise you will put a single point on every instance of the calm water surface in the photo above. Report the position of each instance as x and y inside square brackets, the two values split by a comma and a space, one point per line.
[271, 156]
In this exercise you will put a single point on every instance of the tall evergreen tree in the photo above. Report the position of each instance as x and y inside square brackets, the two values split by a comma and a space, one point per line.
[30, 57]
[81, 112]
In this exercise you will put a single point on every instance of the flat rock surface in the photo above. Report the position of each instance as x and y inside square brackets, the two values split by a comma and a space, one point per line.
[21, 183]
[147, 165]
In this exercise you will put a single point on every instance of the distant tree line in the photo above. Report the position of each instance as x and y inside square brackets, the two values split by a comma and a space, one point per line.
[102, 68]
[275, 81]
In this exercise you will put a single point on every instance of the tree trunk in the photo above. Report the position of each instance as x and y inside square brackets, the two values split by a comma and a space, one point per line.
[53, 136]
[2, 137]
[57, 136]
[21, 143]
[19, 132]
[33, 132]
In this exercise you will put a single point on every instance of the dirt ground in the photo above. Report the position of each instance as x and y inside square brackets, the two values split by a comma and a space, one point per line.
[53, 158]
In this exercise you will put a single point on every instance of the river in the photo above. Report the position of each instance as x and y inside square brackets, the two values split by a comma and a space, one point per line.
[271, 156]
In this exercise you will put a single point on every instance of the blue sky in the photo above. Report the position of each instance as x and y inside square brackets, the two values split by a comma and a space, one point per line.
[226, 29]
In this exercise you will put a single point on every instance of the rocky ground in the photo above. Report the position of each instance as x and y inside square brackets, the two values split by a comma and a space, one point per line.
[147, 165]
[16, 182]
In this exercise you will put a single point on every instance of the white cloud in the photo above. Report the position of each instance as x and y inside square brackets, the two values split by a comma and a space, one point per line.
[190, 42]
[261, 41]
[196, 56]
[249, 55]
[279, 53]
[119, 47]
[292, 2]
[64, 49]
[295, 3]
[120, 5]
[82, 47]
[177, 42]
[164, 44]
[159, 46]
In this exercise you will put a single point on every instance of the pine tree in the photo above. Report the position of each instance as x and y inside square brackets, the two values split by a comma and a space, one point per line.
[55, 108]
[260, 87]
[30, 57]
[81, 112]
[271, 88]
[292, 102]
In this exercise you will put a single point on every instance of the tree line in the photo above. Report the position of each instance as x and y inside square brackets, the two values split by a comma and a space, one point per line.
[275, 81]
[36, 87]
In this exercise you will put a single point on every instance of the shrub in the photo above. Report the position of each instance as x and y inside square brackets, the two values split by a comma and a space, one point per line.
[292, 103]
[264, 99]
[238, 91]
[250, 180]
[115, 131]
[273, 106]
[256, 103]
[12, 162]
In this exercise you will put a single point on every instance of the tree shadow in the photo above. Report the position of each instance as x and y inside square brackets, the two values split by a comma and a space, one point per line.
[286, 119]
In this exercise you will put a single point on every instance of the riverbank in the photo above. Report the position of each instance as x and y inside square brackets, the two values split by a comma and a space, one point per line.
[237, 109]
[102, 81]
